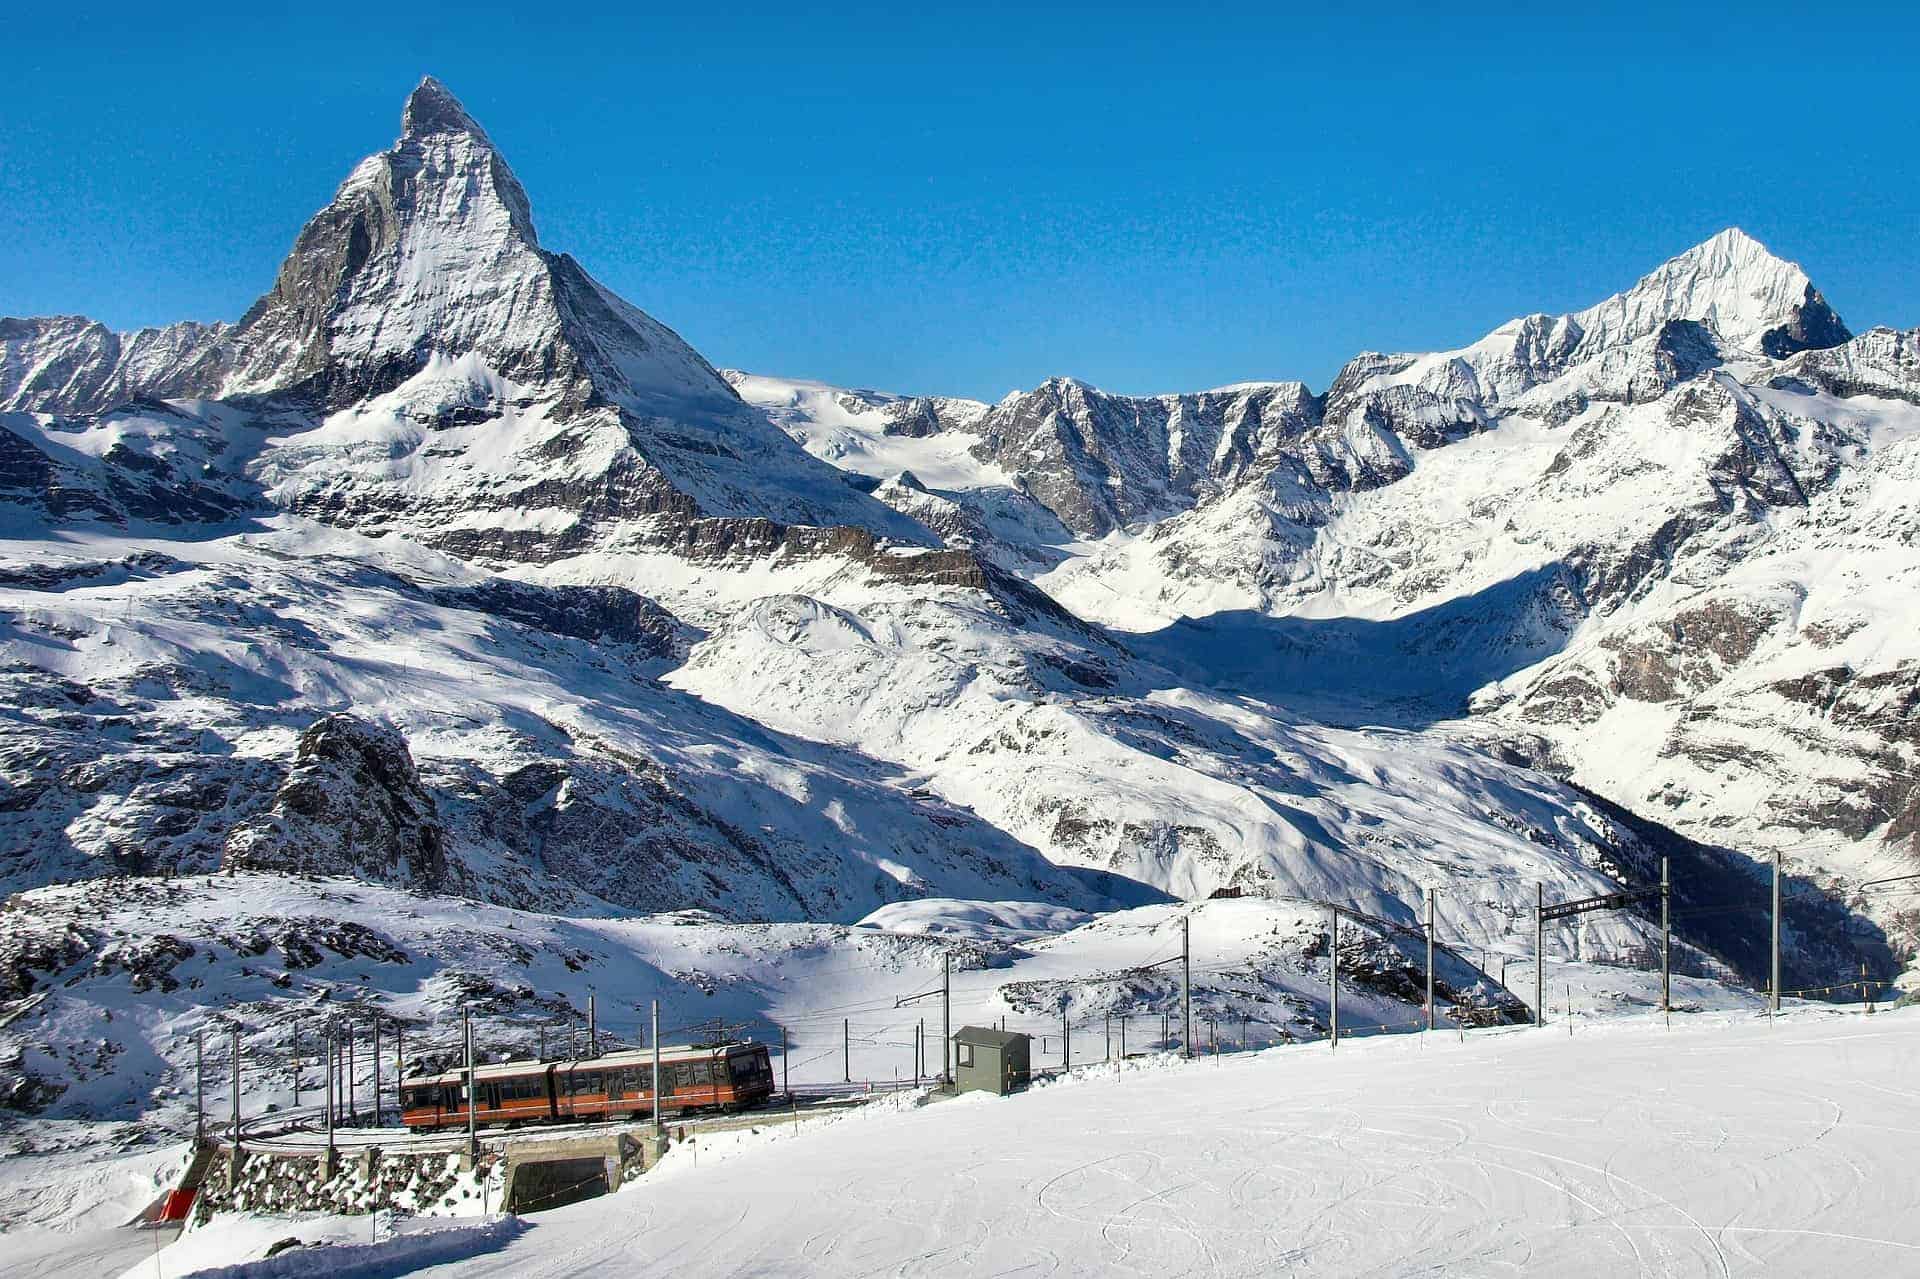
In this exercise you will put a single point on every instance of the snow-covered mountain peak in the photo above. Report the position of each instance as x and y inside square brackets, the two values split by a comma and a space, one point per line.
[1732, 284]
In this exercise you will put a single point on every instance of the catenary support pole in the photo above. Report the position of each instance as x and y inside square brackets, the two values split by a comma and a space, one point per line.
[593, 1029]
[1430, 896]
[376, 1070]
[1123, 1036]
[1773, 989]
[1186, 987]
[846, 1048]
[199, 1086]
[543, 1041]
[473, 1088]
[353, 1093]
[236, 1096]
[946, 1021]
[330, 1092]
[1539, 955]
[655, 1036]
[1106, 1044]
[1066, 1040]
[1666, 936]
[296, 1061]
[1333, 981]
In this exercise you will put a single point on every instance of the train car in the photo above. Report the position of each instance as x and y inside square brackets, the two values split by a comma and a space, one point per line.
[614, 1086]
[506, 1092]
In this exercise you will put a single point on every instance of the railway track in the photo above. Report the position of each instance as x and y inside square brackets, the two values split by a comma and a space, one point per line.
[303, 1130]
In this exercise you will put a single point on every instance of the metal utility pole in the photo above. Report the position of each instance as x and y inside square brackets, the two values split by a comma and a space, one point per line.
[1666, 937]
[1773, 996]
[330, 1094]
[656, 1064]
[473, 1087]
[353, 1093]
[1066, 1040]
[1213, 1034]
[846, 1048]
[199, 1087]
[1186, 987]
[1430, 896]
[1123, 1036]
[1333, 981]
[236, 1096]
[1106, 1044]
[919, 1051]
[399, 1057]
[593, 1029]
[1539, 955]
[543, 1041]
[296, 1061]
[945, 992]
[376, 1070]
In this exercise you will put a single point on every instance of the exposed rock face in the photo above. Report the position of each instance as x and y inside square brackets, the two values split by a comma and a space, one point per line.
[1101, 461]
[603, 614]
[1880, 362]
[351, 805]
[70, 364]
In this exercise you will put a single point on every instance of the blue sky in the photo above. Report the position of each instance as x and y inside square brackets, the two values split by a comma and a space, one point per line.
[969, 200]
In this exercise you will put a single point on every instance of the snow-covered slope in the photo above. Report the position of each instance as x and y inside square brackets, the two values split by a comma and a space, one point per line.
[1736, 1148]
[161, 707]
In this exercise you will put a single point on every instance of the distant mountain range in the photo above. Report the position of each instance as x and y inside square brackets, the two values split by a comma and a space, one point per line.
[444, 568]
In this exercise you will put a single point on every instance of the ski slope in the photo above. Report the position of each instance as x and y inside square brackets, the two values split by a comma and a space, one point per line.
[1722, 1146]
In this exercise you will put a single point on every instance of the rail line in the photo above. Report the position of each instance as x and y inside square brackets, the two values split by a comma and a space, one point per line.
[302, 1131]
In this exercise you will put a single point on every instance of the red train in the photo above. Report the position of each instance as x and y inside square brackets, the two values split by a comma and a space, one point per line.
[615, 1086]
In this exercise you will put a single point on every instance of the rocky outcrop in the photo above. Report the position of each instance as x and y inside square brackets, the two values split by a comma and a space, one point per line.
[1100, 461]
[70, 364]
[351, 805]
[600, 614]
